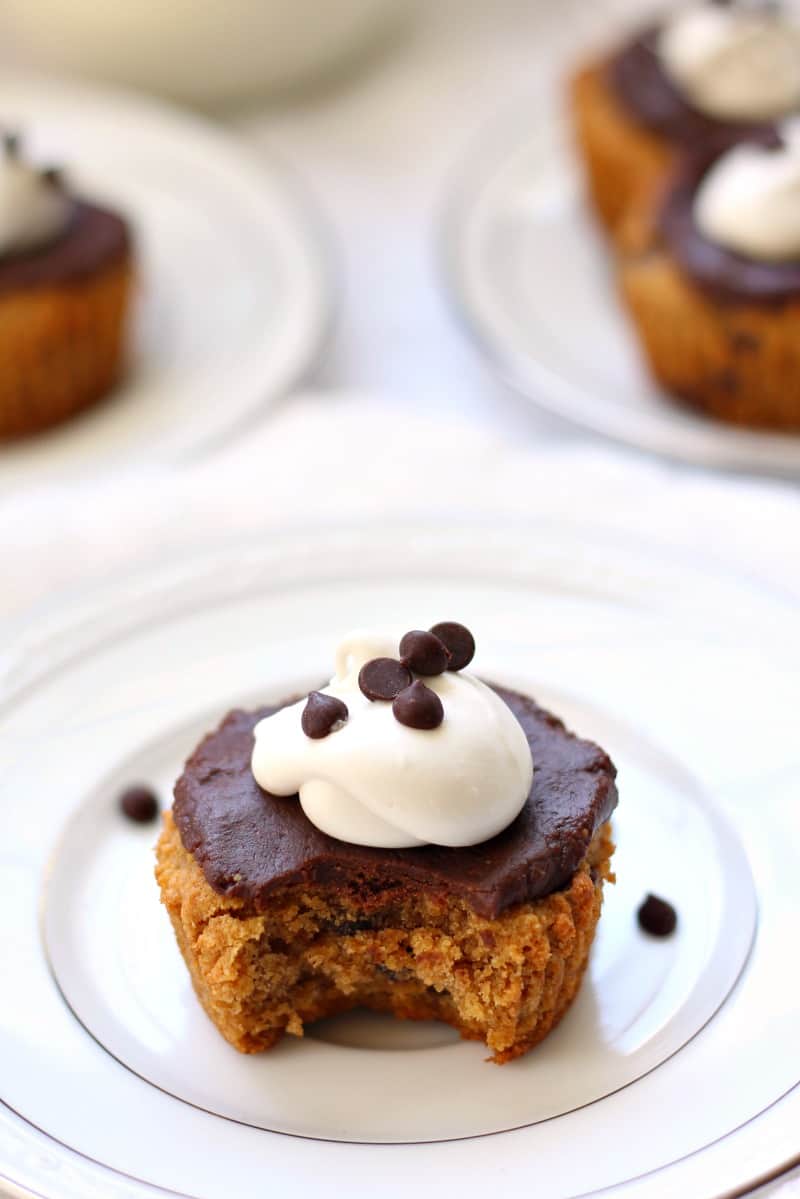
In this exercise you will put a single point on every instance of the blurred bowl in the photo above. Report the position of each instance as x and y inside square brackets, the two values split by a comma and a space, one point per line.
[209, 52]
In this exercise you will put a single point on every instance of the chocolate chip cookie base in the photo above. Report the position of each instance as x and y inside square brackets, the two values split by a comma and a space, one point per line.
[62, 324]
[623, 160]
[316, 950]
[736, 362]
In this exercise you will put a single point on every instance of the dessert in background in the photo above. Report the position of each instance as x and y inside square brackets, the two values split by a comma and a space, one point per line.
[706, 78]
[408, 839]
[711, 278]
[66, 268]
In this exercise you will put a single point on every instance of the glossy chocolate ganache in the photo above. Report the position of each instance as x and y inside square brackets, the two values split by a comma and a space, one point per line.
[92, 240]
[728, 275]
[655, 101]
[49, 237]
[249, 843]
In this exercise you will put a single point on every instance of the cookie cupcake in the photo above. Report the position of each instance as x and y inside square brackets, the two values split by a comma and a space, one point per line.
[65, 283]
[407, 839]
[712, 283]
[705, 79]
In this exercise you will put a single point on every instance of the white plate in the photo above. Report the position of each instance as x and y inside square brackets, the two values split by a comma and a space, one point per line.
[234, 287]
[532, 279]
[673, 1053]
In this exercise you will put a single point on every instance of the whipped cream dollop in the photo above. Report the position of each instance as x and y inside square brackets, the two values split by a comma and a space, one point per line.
[376, 781]
[34, 210]
[735, 62]
[749, 200]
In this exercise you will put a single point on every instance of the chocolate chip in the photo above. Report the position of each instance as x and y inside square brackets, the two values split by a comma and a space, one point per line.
[423, 652]
[743, 341]
[383, 678]
[728, 381]
[394, 975]
[418, 707]
[657, 917]
[322, 714]
[11, 144]
[458, 640]
[349, 928]
[139, 803]
[53, 176]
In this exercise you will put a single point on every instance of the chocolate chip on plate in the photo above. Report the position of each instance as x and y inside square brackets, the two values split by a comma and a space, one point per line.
[383, 678]
[322, 714]
[458, 641]
[657, 917]
[139, 803]
[418, 707]
[53, 176]
[423, 652]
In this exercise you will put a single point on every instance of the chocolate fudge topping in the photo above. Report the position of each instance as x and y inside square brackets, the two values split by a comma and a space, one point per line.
[93, 239]
[653, 100]
[248, 842]
[724, 274]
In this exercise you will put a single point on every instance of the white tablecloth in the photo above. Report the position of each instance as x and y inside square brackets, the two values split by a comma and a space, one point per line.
[329, 457]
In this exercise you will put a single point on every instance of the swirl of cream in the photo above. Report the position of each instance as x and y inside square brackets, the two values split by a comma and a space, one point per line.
[736, 63]
[749, 201]
[33, 210]
[374, 781]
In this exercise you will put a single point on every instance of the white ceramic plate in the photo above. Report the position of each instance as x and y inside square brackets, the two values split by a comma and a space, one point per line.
[234, 287]
[675, 1051]
[532, 279]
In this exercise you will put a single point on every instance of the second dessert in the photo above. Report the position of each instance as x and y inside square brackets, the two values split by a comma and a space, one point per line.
[711, 278]
[704, 79]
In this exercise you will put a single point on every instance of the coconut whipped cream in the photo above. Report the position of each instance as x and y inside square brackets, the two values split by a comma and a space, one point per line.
[34, 210]
[374, 780]
[738, 62]
[749, 201]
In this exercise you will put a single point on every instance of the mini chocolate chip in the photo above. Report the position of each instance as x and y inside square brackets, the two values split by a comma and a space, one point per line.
[728, 381]
[54, 176]
[657, 917]
[424, 653]
[139, 803]
[383, 678]
[322, 714]
[349, 928]
[743, 341]
[458, 640]
[418, 707]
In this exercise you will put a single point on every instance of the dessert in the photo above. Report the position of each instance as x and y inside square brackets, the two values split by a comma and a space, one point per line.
[711, 278]
[65, 282]
[407, 839]
[708, 77]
